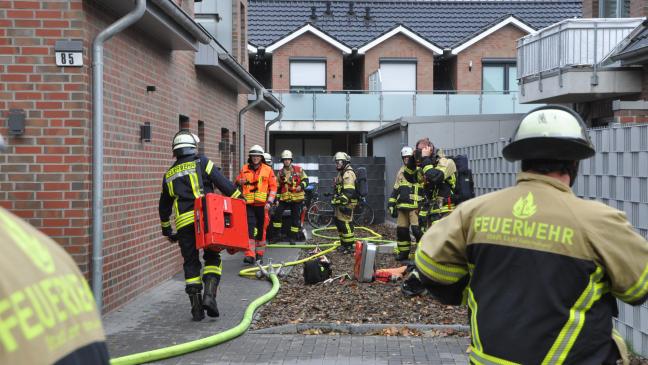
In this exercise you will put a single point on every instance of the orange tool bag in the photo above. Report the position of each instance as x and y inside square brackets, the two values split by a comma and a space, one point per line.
[220, 223]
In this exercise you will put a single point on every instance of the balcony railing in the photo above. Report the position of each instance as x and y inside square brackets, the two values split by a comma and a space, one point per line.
[571, 43]
[365, 106]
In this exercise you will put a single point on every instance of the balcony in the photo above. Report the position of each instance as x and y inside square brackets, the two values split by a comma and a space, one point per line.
[362, 111]
[568, 62]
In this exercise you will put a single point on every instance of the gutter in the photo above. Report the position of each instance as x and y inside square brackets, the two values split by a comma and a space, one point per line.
[97, 143]
[241, 123]
[177, 14]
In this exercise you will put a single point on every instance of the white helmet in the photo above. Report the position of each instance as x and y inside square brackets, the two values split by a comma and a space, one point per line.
[286, 154]
[185, 139]
[268, 158]
[550, 132]
[342, 156]
[407, 151]
[256, 150]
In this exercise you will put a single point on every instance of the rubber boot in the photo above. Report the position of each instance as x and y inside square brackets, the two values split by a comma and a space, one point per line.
[209, 300]
[249, 260]
[259, 258]
[197, 311]
[402, 256]
[291, 238]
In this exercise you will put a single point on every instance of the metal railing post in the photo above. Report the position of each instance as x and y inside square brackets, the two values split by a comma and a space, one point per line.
[540, 62]
[414, 104]
[594, 79]
[560, 63]
[381, 107]
[314, 109]
[481, 102]
[348, 113]
[281, 100]
[447, 103]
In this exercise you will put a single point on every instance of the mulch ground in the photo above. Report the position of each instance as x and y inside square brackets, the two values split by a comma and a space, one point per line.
[353, 302]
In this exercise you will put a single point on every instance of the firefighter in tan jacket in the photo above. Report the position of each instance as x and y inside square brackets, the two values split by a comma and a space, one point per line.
[345, 200]
[539, 268]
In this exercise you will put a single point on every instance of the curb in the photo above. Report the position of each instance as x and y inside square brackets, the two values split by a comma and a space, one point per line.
[355, 329]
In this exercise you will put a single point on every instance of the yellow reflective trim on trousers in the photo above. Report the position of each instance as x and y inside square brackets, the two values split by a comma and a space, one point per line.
[211, 269]
[438, 272]
[195, 280]
[637, 291]
[294, 229]
[570, 331]
[276, 224]
[474, 328]
[348, 186]
[210, 166]
[480, 358]
[165, 224]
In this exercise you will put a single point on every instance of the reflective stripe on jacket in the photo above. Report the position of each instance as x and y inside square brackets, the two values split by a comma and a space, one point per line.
[288, 182]
[259, 186]
[407, 193]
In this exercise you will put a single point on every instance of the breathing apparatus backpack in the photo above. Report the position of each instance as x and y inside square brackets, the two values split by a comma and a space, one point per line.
[465, 185]
[317, 270]
[361, 186]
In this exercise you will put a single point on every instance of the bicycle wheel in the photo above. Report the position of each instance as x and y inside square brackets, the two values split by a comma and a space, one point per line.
[363, 214]
[320, 214]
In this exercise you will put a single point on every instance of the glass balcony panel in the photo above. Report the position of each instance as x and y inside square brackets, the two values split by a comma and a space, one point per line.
[430, 105]
[298, 106]
[497, 103]
[397, 105]
[464, 104]
[330, 106]
[364, 106]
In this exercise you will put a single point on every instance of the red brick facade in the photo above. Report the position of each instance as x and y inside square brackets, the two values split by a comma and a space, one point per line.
[638, 8]
[46, 175]
[401, 46]
[304, 46]
[500, 44]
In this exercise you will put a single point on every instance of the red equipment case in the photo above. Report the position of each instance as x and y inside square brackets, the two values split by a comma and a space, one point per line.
[220, 223]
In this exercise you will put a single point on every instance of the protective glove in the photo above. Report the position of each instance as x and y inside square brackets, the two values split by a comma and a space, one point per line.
[412, 285]
[167, 231]
[394, 212]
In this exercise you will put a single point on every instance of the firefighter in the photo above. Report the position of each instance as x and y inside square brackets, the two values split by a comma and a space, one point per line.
[539, 267]
[267, 216]
[439, 181]
[49, 315]
[259, 186]
[267, 159]
[404, 203]
[190, 177]
[344, 200]
[292, 182]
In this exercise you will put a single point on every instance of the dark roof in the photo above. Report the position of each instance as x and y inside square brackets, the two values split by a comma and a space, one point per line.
[444, 23]
[638, 44]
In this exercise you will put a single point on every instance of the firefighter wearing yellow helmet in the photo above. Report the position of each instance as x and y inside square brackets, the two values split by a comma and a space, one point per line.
[540, 268]
[344, 200]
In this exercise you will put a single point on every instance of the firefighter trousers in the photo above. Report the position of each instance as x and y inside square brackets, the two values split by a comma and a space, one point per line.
[295, 218]
[256, 226]
[343, 220]
[407, 219]
[192, 265]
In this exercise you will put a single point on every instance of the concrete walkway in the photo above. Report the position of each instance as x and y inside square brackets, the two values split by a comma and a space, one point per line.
[160, 317]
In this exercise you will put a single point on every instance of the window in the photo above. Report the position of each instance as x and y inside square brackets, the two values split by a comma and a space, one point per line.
[499, 77]
[398, 75]
[201, 136]
[308, 75]
[614, 8]
[183, 122]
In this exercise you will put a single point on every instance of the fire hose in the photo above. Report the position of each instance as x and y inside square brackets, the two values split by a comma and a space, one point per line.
[267, 271]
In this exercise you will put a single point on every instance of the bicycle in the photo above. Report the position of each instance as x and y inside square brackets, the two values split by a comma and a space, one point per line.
[321, 212]
[363, 214]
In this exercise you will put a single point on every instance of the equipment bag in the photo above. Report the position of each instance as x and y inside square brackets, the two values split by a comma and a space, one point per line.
[317, 270]
[465, 185]
[361, 182]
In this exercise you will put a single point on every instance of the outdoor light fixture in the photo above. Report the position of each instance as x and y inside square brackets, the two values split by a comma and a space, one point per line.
[145, 132]
[150, 88]
[470, 66]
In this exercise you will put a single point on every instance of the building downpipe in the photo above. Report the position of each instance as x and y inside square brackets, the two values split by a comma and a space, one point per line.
[241, 123]
[97, 143]
[270, 123]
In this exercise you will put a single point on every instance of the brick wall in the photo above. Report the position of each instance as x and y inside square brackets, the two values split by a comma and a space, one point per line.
[590, 8]
[500, 44]
[306, 45]
[401, 46]
[45, 176]
[638, 8]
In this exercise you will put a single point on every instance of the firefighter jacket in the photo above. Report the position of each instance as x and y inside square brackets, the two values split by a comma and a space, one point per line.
[407, 193]
[182, 185]
[541, 270]
[439, 181]
[259, 186]
[344, 192]
[288, 181]
[48, 311]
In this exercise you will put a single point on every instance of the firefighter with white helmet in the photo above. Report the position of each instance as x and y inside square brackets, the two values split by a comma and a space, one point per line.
[292, 182]
[191, 176]
[404, 203]
[267, 159]
[344, 200]
[540, 268]
[259, 186]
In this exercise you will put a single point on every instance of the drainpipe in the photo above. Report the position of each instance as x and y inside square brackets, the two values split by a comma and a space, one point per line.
[97, 143]
[241, 123]
[267, 128]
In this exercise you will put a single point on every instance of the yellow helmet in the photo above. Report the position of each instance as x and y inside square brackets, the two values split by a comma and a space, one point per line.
[256, 150]
[550, 132]
[342, 156]
[286, 154]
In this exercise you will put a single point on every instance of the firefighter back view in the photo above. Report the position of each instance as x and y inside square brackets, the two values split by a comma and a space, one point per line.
[190, 177]
[439, 181]
[257, 180]
[291, 184]
[540, 268]
[404, 203]
[344, 200]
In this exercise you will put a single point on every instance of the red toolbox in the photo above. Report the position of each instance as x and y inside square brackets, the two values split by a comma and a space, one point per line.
[220, 223]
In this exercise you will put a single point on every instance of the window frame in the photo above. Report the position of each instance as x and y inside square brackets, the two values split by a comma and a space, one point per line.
[298, 89]
[506, 64]
[401, 60]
